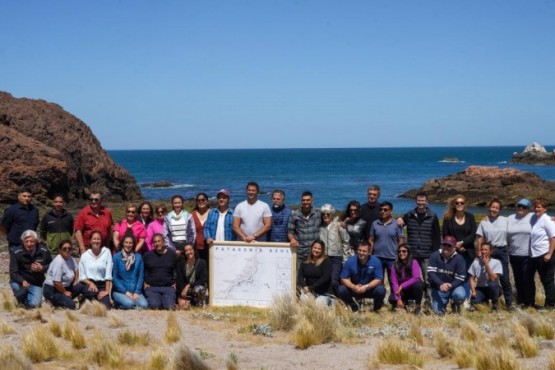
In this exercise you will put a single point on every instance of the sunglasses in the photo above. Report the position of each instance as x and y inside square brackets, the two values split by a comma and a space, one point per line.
[384, 209]
[131, 212]
[404, 251]
[201, 200]
[65, 249]
[94, 200]
[459, 203]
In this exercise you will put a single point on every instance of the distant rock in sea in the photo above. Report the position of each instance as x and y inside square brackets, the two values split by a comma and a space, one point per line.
[51, 151]
[479, 184]
[535, 154]
[161, 184]
[451, 160]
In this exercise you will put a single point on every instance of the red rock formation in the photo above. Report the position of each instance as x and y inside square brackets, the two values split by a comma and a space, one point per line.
[51, 151]
[479, 184]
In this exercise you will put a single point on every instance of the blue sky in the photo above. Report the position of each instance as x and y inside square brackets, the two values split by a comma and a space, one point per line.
[280, 74]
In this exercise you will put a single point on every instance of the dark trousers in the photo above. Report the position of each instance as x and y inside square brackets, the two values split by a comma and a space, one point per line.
[485, 294]
[524, 280]
[348, 296]
[500, 253]
[336, 267]
[203, 255]
[413, 292]
[101, 285]
[162, 297]
[423, 262]
[387, 266]
[546, 271]
[58, 299]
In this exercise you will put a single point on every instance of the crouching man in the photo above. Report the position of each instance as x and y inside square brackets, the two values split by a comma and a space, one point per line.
[446, 273]
[362, 277]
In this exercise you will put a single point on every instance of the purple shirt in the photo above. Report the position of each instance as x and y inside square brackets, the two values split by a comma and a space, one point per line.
[404, 281]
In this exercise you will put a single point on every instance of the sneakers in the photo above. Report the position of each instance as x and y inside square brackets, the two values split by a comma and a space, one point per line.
[466, 305]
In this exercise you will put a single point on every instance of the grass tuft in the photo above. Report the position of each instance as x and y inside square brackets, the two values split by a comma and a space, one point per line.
[316, 324]
[496, 360]
[231, 362]
[185, 358]
[114, 321]
[523, 343]
[40, 345]
[94, 308]
[159, 359]
[104, 352]
[470, 332]
[444, 345]
[395, 352]
[73, 333]
[12, 359]
[415, 334]
[133, 338]
[8, 301]
[173, 330]
[551, 362]
[71, 316]
[283, 312]
[464, 357]
[6, 329]
[55, 328]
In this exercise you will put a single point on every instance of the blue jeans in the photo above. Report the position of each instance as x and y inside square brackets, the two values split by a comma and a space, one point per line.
[336, 267]
[440, 299]
[58, 299]
[163, 297]
[30, 297]
[125, 303]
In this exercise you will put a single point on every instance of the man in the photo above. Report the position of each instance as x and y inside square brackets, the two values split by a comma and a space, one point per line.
[304, 227]
[219, 223]
[159, 280]
[94, 217]
[485, 274]
[423, 233]
[28, 266]
[370, 211]
[18, 218]
[252, 218]
[385, 237]
[362, 277]
[280, 217]
[446, 274]
[56, 225]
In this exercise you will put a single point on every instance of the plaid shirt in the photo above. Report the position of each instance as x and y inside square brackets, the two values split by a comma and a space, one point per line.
[305, 229]
[212, 223]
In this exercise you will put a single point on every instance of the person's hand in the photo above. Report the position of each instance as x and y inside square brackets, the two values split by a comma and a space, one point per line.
[145, 286]
[183, 303]
[92, 287]
[400, 222]
[547, 257]
[25, 284]
[294, 243]
[473, 293]
[102, 294]
[36, 267]
[399, 290]
[360, 289]
[210, 241]
[135, 296]
[129, 294]
[400, 304]
[67, 294]
[250, 238]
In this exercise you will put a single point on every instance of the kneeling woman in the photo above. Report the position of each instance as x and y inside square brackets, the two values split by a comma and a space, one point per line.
[128, 277]
[314, 276]
[95, 271]
[61, 285]
[191, 279]
[406, 280]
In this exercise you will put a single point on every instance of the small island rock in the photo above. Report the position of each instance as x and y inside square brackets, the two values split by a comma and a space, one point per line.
[535, 154]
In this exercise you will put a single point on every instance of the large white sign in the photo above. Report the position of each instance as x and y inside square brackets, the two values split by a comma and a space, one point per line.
[250, 274]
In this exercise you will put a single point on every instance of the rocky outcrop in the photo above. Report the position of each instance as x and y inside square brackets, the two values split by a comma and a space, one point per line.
[534, 154]
[479, 184]
[51, 151]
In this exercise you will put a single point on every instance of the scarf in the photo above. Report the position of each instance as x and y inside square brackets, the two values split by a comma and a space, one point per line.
[129, 259]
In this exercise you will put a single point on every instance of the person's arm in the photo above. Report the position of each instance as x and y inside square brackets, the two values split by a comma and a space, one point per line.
[416, 275]
[266, 227]
[168, 233]
[472, 282]
[201, 274]
[79, 238]
[374, 283]
[291, 227]
[237, 228]
[547, 257]
[433, 277]
[116, 280]
[191, 230]
[115, 238]
[395, 283]
[468, 241]
[460, 273]
[492, 276]
[140, 245]
[210, 227]
[140, 276]
[436, 234]
[43, 227]
[15, 274]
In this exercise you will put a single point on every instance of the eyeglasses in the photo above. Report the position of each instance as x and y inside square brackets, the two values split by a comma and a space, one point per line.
[459, 203]
[65, 249]
[326, 214]
[353, 210]
[131, 212]
[403, 251]
[384, 209]
[94, 200]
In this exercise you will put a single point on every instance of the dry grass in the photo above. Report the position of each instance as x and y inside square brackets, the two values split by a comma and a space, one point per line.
[94, 308]
[551, 362]
[104, 352]
[40, 345]
[173, 330]
[133, 338]
[503, 359]
[444, 346]
[544, 330]
[501, 339]
[316, 324]
[71, 316]
[470, 332]
[6, 329]
[74, 334]
[415, 334]
[524, 344]
[231, 362]
[114, 321]
[55, 328]
[12, 359]
[8, 301]
[159, 359]
[537, 327]
[396, 352]
[464, 357]
[283, 312]
[31, 315]
[185, 358]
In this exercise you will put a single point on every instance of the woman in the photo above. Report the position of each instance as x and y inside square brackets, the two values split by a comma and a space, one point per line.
[354, 225]
[518, 239]
[200, 214]
[462, 226]
[314, 276]
[406, 280]
[95, 271]
[146, 213]
[493, 230]
[542, 247]
[191, 279]
[128, 277]
[179, 227]
[337, 240]
[56, 225]
[156, 226]
[159, 284]
[130, 225]
[62, 279]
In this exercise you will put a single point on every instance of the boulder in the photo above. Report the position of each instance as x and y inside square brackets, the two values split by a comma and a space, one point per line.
[51, 151]
[534, 154]
[480, 184]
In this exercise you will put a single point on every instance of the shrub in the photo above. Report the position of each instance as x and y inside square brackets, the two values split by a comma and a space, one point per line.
[396, 352]
[73, 333]
[283, 312]
[185, 358]
[40, 345]
[173, 331]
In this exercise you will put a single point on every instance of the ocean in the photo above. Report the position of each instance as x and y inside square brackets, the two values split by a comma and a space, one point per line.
[334, 176]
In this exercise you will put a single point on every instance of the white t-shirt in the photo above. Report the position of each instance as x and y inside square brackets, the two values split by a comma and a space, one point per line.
[543, 229]
[220, 227]
[478, 269]
[252, 216]
[61, 270]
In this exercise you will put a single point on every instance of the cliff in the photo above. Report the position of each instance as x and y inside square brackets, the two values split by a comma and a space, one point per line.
[479, 184]
[51, 151]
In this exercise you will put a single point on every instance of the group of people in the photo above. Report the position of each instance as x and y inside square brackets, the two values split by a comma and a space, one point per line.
[159, 259]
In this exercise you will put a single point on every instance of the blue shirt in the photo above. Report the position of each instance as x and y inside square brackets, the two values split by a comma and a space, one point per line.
[128, 280]
[17, 219]
[280, 222]
[386, 237]
[362, 274]
[211, 225]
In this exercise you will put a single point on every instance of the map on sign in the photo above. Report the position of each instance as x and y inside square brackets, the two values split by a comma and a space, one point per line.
[250, 275]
